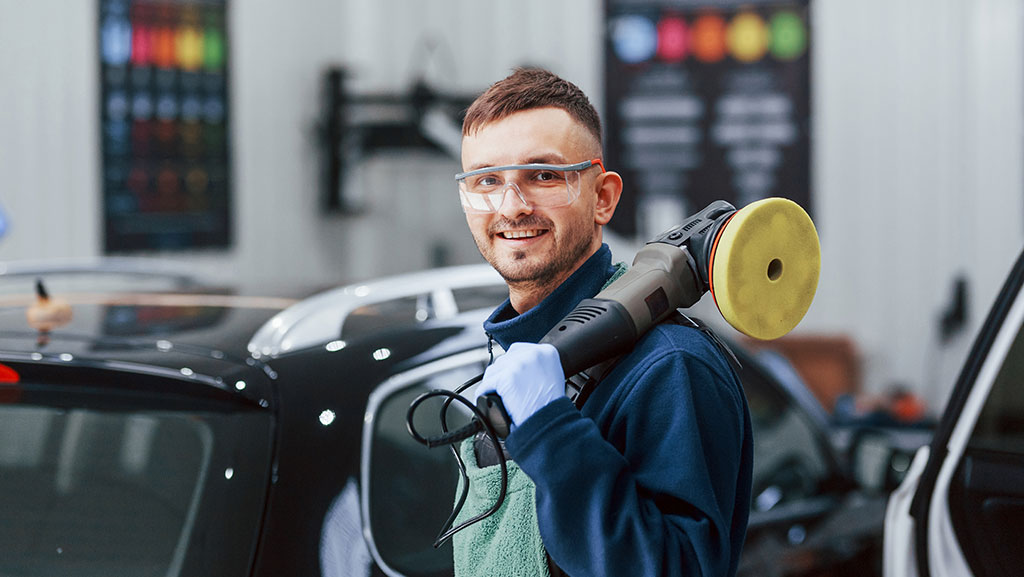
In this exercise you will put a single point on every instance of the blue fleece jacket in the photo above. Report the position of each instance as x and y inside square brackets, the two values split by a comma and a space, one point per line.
[653, 476]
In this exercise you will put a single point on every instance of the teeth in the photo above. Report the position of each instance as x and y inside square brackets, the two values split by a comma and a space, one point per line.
[520, 233]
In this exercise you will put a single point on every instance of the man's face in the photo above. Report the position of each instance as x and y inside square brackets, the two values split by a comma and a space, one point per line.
[532, 245]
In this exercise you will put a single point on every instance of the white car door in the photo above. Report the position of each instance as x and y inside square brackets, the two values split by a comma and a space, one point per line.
[960, 509]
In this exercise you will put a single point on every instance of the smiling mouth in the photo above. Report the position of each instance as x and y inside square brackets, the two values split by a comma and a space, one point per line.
[520, 234]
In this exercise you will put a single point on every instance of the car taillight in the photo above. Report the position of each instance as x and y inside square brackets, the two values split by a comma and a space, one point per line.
[8, 375]
[10, 392]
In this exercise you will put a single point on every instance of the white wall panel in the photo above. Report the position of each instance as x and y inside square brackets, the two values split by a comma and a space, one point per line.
[471, 43]
[916, 155]
[48, 129]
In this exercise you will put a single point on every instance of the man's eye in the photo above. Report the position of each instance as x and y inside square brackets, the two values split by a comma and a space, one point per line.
[488, 181]
[547, 176]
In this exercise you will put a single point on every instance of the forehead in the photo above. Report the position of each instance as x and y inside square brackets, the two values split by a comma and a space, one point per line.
[537, 135]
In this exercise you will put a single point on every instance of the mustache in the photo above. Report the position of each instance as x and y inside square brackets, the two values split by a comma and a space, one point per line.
[529, 221]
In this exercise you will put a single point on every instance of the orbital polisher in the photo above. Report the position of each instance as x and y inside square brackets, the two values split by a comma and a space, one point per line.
[760, 263]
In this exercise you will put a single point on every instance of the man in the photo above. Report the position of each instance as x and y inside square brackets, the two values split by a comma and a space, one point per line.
[652, 475]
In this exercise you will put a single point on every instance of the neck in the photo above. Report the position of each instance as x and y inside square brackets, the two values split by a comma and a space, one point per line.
[525, 295]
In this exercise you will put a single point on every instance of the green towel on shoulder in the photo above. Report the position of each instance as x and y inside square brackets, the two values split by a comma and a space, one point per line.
[620, 269]
[506, 544]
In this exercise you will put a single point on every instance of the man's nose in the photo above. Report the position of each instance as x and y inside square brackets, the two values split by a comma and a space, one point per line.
[513, 203]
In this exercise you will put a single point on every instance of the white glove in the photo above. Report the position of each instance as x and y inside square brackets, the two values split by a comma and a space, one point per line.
[527, 377]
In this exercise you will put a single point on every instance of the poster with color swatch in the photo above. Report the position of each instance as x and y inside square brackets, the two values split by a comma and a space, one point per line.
[164, 125]
[705, 101]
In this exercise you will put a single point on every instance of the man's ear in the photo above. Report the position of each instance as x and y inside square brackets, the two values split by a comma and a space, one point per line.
[609, 189]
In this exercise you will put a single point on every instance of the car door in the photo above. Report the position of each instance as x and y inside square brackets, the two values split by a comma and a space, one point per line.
[805, 521]
[960, 510]
[407, 490]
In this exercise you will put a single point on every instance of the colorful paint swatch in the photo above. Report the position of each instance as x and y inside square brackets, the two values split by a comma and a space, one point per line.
[789, 35]
[634, 38]
[708, 38]
[715, 107]
[673, 39]
[164, 116]
[189, 47]
[748, 37]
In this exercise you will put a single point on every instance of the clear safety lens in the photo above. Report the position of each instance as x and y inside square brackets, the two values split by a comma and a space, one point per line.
[536, 185]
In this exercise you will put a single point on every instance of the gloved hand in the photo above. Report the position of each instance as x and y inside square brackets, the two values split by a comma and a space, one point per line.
[527, 377]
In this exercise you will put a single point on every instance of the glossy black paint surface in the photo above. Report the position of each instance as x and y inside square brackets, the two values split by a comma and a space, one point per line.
[316, 461]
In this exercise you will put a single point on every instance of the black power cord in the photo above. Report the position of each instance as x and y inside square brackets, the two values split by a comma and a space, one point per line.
[480, 422]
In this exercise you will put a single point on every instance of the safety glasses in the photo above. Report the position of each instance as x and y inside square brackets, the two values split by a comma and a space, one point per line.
[537, 185]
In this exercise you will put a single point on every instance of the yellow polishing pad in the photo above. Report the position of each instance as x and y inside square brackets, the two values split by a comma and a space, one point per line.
[764, 267]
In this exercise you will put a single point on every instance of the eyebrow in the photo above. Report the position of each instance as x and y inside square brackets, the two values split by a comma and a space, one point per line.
[550, 158]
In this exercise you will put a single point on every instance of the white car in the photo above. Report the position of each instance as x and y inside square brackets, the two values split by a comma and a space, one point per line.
[960, 509]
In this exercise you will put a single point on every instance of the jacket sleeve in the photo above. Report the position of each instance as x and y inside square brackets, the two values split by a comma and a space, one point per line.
[655, 490]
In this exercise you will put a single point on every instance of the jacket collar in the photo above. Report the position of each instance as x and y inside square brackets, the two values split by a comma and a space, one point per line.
[506, 326]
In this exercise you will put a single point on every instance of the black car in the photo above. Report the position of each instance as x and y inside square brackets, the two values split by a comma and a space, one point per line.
[172, 431]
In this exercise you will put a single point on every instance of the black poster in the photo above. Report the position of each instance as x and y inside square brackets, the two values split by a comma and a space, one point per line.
[705, 101]
[164, 124]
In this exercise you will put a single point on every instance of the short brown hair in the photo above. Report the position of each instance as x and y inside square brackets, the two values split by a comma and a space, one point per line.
[526, 89]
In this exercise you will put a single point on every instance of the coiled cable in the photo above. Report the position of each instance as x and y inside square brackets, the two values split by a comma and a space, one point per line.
[479, 423]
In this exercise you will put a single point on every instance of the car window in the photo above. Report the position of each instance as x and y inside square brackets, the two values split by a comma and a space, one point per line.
[410, 490]
[1000, 426]
[374, 317]
[405, 311]
[789, 461]
[480, 297]
[120, 492]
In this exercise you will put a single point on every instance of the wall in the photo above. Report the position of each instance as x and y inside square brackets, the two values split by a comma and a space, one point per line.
[49, 155]
[917, 148]
[918, 154]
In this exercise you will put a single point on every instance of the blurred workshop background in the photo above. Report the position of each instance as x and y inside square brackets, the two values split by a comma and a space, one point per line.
[313, 142]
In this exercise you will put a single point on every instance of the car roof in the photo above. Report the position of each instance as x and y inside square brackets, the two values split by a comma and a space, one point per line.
[127, 309]
[108, 323]
[320, 318]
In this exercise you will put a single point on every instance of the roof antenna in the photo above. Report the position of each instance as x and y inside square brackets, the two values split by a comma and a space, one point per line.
[41, 290]
[47, 313]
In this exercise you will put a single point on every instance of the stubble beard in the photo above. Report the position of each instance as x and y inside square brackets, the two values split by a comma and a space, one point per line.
[543, 274]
